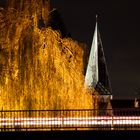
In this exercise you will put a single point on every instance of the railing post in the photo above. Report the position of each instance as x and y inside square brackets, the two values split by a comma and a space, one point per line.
[112, 124]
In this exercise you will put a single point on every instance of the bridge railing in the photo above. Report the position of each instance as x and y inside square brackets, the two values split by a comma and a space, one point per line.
[31, 120]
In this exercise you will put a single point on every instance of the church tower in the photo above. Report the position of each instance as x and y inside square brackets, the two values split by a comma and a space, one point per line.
[97, 76]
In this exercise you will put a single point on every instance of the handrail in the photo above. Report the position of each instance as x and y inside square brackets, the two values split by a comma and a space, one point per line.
[95, 119]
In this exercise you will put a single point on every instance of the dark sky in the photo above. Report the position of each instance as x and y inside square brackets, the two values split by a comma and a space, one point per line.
[119, 25]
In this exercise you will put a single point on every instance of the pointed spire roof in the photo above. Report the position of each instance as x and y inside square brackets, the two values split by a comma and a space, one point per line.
[92, 76]
[97, 74]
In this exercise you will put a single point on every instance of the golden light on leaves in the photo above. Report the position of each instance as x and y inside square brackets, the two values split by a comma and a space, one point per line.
[38, 68]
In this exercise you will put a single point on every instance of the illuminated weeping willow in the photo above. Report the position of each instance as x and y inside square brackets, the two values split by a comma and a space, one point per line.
[38, 68]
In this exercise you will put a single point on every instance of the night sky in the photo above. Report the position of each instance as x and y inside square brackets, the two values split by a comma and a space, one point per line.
[119, 26]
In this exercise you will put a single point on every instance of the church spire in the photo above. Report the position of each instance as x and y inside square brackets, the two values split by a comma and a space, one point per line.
[92, 75]
[96, 18]
[97, 74]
